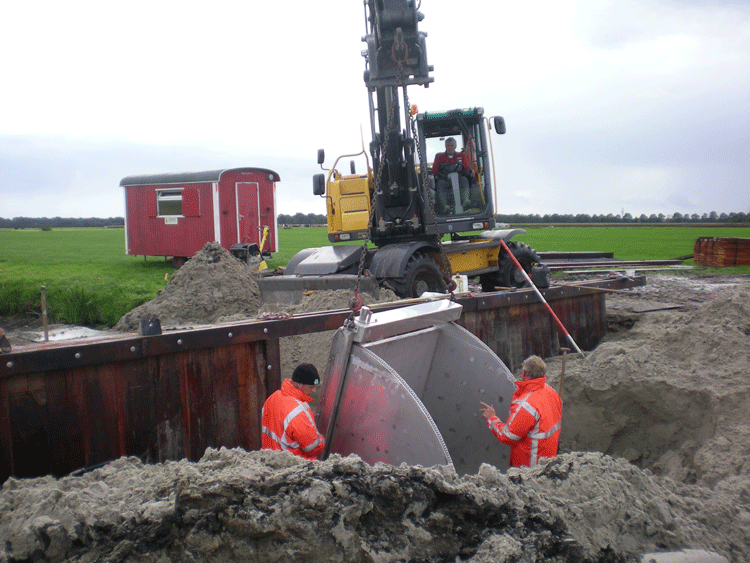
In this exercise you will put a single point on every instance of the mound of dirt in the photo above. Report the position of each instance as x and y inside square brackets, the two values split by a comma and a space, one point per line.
[672, 394]
[209, 287]
[234, 505]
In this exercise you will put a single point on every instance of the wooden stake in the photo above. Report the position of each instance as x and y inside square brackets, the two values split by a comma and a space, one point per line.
[562, 370]
[44, 314]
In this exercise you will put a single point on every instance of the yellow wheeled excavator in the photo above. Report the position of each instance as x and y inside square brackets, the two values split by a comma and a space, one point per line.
[392, 206]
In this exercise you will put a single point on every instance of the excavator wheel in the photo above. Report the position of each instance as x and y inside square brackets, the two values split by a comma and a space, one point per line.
[421, 274]
[508, 275]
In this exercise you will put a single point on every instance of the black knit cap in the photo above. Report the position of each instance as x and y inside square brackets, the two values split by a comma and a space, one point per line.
[307, 374]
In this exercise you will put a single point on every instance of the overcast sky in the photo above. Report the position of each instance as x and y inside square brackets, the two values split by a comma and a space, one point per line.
[610, 106]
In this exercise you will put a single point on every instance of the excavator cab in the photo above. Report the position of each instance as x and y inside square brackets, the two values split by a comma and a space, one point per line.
[461, 191]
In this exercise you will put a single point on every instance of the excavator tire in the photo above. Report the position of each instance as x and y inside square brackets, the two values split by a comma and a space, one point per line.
[508, 275]
[421, 274]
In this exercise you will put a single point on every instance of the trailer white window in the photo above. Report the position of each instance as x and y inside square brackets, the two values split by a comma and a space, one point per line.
[169, 203]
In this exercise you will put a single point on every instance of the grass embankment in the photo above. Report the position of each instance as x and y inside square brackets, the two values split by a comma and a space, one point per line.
[90, 281]
[87, 276]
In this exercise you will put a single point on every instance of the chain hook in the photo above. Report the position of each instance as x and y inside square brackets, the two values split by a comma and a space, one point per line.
[399, 46]
[356, 303]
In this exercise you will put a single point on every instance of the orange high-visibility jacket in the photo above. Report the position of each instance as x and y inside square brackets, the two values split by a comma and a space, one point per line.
[533, 427]
[288, 423]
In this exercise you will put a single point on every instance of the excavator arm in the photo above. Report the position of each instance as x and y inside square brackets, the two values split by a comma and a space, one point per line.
[395, 59]
[395, 47]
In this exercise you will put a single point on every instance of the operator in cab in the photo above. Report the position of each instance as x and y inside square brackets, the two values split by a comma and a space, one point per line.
[533, 427]
[288, 422]
[445, 163]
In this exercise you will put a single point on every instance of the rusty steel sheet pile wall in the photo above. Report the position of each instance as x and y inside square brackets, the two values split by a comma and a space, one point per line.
[517, 325]
[157, 408]
[70, 406]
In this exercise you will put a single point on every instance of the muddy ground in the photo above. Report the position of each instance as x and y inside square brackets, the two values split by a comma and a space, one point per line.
[654, 456]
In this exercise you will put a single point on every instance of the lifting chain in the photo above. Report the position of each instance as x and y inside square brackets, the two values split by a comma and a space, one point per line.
[356, 304]
[444, 264]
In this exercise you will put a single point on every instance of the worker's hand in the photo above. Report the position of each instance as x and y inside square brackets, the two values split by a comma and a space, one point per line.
[486, 411]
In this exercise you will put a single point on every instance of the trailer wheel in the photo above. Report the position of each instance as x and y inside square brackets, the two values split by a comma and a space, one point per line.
[420, 275]
[508, 275]
[179, 261]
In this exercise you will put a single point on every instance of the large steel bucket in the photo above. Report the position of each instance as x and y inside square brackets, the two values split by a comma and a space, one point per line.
[404, 385]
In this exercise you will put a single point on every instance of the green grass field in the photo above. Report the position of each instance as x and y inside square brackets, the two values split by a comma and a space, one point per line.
[89, 280]
[627, 243]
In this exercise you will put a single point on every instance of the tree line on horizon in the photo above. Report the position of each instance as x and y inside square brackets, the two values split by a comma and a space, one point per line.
[46, 223]
[712, 217]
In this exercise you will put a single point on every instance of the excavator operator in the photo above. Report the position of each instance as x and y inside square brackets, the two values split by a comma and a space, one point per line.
[445, 163]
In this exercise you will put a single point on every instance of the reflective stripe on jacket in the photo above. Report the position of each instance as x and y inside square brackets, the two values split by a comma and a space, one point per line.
[288, 423]
[533, 427]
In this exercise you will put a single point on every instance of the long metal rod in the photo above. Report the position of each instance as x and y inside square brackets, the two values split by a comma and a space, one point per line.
[531, 283]
[594, 288]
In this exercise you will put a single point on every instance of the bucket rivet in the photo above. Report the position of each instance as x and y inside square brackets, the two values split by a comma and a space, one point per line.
[132, 349]
[265, 330]
[230, 335]
[179, 341]
[268, 366]
[9, 364]
[78, 355]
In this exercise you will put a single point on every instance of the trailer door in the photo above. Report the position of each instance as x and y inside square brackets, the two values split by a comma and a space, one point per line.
[247, 203]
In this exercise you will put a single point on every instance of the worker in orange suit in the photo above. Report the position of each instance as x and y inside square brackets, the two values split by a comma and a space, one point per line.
[533, 427]
[288, 422]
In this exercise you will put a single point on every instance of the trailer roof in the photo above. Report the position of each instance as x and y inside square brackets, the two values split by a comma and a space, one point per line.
[187, 177]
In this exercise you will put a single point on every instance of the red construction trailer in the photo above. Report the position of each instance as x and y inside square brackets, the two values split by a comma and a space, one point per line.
[177, 214]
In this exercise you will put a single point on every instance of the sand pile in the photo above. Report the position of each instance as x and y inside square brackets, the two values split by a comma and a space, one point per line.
[211, 286]
[263, 506]
[672, 394]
